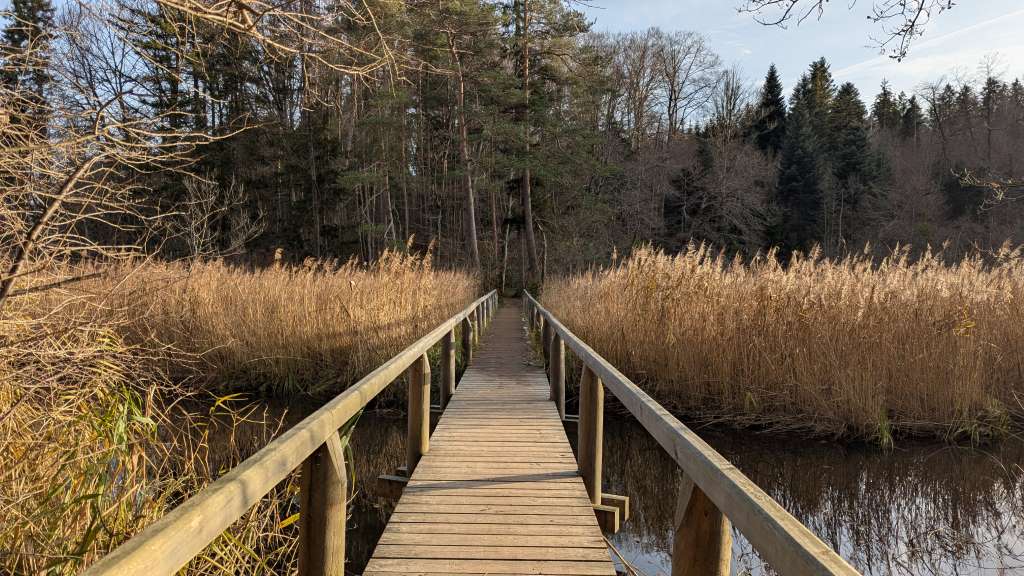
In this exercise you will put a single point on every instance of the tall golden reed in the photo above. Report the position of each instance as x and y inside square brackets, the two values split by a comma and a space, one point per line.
[846, 347]
[95, 442]
[313, 328]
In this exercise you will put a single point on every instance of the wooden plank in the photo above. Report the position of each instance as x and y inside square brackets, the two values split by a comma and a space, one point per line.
[470, 530]
[490, 567]
[563, 510]
[490, 552]
[493, 518]
[563, 541]
[556, 501]
[490, 491]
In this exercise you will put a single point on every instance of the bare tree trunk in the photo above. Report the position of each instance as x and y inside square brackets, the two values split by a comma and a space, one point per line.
[467, 168]
[525, 193]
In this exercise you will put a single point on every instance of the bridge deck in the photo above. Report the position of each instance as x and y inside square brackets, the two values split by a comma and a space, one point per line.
[499, 492]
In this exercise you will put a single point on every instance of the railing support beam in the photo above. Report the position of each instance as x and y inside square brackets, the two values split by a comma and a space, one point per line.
[703, 540]
[447, 367]
[545, 340]
[467, 340]
[418, 437]
[591, 433]
[556, 373]
[324, 495]
[590, 445]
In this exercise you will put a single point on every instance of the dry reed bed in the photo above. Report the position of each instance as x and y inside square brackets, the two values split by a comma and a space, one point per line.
[846, 348]
[314, 328]
[95, 442]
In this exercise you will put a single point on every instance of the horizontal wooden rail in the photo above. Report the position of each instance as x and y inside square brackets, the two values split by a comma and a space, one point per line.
[171, 542]
[788, 546]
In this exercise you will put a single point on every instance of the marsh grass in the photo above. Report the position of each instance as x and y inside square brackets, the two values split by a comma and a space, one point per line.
[123, 394]
[848, 347]
[310, 329]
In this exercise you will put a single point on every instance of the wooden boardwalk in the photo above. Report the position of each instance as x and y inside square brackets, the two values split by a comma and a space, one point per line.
[499, 491]
[496, 489]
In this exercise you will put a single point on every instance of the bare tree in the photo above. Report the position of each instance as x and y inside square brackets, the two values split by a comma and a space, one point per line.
[689, 70]
[902, 21]
[215, 221]
[636, 57]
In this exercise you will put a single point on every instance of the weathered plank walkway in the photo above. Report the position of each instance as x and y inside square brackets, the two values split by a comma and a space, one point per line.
[499, 491]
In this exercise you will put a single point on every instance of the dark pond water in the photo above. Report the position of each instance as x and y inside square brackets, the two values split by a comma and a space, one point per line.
[922, 509]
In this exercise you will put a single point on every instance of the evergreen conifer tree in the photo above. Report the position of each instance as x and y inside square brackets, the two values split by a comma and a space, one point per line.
[769, 126]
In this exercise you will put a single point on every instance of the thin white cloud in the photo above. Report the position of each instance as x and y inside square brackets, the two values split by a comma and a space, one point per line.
[960, 49]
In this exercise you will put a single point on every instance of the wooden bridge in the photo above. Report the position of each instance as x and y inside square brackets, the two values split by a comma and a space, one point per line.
[495, 489]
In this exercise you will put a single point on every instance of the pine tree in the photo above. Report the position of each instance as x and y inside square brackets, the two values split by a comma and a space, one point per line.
[799, 193]
[885, 110]
[849, 145]
[26, 54]
[769, 127]
[912, 121]
[819, 93]
[1017, 93]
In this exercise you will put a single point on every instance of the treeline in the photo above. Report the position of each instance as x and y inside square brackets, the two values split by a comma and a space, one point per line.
[507, 135]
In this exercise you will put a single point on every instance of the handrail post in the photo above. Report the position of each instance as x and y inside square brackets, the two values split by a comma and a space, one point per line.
[545, 340]
[591, 433]
[703, 538]
[476, 327]
[467, 340]
[323, 500]
[556, 373]
[418, 437]
[447, 367]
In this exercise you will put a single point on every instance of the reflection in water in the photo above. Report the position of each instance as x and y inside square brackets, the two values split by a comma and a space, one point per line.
[919, 510]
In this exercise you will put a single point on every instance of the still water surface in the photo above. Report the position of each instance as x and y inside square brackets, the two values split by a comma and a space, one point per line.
[921, 509]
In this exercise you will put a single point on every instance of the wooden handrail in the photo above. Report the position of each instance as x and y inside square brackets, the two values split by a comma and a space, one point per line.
[788, 546]
[171, 542]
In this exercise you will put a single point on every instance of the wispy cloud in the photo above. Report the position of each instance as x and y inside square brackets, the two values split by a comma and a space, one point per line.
[945, 55]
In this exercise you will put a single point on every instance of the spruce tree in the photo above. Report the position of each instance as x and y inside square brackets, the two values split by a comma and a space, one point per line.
[799, 193]
[819, 93]
[885, 110]
[769, 126]
[26, 53]
[913, 119]
[1017, 93]
[849, 145]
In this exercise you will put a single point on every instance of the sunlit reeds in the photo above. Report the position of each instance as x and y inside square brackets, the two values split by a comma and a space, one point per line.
[107, 389]
[849, 347]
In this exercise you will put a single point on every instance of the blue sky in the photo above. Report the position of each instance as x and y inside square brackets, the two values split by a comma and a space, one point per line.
[954, 44]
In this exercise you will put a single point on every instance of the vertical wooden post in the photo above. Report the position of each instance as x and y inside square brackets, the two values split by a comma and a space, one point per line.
[556, 373]
[418, 438]
[447, 367]
[467, 340]
[323, 499]
[477, 327]
[591, 433]
[703, 538]
[545, 340]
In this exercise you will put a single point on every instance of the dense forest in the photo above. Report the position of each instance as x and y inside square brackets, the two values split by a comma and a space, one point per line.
[503, 135]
